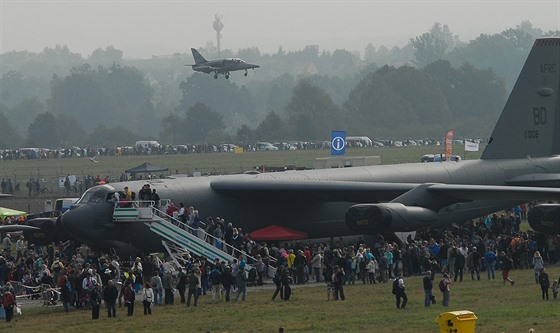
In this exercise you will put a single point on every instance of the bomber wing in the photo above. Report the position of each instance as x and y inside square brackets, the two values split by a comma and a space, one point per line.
[16, 227]
[282, 190]
[286, 190]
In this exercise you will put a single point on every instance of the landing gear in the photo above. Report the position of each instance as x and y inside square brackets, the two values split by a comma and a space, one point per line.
[227, 76]
[215, 76]
[245, 73]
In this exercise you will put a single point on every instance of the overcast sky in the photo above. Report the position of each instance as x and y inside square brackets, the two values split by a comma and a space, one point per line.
[145, 28]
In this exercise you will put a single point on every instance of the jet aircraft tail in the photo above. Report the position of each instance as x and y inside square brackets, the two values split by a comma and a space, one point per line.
[198, 58]
[530, 121]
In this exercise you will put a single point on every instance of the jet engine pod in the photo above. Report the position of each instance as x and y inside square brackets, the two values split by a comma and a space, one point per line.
[545, 218]
[49, 231]
[368, 218]
[388, 217]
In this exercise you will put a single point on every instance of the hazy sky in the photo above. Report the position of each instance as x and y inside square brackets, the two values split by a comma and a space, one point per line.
[145, 28]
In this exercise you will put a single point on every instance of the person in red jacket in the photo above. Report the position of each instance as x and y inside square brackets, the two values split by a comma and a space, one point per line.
[9, 303]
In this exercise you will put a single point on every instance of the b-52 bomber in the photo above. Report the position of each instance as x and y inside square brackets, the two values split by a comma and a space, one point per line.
[521, 163]
[221, 66]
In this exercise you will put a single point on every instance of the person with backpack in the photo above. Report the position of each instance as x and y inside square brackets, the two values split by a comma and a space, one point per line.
[277, 279]
[8, 303]
[338, 283]
[286, 280]
[399, 292]
[444, 287]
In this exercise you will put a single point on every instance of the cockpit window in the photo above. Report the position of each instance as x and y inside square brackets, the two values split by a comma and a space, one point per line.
[94, 195]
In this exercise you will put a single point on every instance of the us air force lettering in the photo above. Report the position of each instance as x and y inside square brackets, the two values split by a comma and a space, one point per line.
[520, 164]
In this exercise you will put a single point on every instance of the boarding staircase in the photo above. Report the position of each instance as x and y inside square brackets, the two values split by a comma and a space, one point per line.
[179, 239]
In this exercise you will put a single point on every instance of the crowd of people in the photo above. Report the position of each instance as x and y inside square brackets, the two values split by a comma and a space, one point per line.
[83, 279]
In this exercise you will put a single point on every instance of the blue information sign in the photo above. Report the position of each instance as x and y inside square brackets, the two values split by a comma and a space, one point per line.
[338, 142]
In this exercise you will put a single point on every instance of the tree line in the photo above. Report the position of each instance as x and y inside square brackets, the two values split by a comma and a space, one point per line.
[433, 83]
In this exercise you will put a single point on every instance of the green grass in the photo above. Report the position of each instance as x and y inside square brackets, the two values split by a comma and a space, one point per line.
[367, 308]
[210, 163]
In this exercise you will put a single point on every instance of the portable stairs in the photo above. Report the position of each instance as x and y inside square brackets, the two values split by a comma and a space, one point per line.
[180, 240]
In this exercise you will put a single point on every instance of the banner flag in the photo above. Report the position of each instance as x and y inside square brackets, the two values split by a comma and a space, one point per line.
[471, 146]
[449, 144]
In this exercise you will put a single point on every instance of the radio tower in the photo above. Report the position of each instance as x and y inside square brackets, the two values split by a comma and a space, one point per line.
[218, 26]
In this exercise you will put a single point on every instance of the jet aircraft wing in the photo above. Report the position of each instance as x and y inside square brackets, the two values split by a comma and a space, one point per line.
[282, 190]
[490, 192]
[16, 227]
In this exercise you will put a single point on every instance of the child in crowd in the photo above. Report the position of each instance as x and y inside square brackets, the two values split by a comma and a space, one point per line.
[555, 290]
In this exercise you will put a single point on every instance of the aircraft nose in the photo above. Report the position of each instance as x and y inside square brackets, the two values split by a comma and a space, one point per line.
[81, 221]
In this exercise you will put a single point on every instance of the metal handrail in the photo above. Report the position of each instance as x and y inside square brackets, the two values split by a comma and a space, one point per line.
[233, 251]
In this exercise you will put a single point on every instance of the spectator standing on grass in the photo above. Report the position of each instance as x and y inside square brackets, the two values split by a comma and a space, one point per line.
[8, 303]
[66, 293]
[338, 283]
[227, 281]
[241, 281]
[399, 292]
[446, 289]
[317, 265]
[544, 282]
[129, 298]
[157, 286]
[110, 295]
[167, 283]
[95, 300]
[538, 264]
[428, 286]
[215, 277]
[277, 279]
[286, 280]
[181, 285]
[148, 298]
[490, 262]
[194, 285]
[555, 290]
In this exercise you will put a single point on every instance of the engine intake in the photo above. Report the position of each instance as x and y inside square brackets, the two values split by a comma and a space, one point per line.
[388, 217]
[545, 218]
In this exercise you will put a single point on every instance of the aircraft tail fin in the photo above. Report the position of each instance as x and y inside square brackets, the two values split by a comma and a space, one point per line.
[530, 121]
[198, 58]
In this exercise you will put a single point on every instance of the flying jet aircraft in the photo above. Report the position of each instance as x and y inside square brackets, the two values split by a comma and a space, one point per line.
[221, 66]
[521, 163]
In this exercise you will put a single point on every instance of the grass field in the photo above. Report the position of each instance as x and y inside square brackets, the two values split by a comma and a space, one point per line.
[367, 308]
[209, 163]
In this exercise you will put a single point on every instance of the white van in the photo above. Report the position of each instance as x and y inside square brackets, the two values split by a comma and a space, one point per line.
[358, 141]
[147, 144]
[266, 146]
